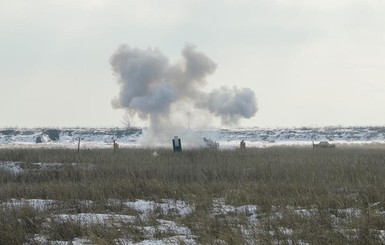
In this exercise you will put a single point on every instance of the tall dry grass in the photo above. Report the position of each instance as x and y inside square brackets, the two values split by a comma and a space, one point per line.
[325, 180]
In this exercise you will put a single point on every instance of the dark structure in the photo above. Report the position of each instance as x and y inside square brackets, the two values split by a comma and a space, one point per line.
[176, 144]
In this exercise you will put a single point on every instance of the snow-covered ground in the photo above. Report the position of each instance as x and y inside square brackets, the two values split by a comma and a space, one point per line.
[179, 233]
[227, 138]
[182, 234]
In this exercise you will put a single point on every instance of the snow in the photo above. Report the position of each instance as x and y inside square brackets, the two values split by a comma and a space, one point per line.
[227, 138]
[166, 226]
[219, 207]
[167, 206]
[178, 233]
[95, 218]
[174, 240]
[39, 239]
[304, 212]
[37, 204]
[283, 231]
[163, 226]
[349, 212]
[20, 167]
[11, 167]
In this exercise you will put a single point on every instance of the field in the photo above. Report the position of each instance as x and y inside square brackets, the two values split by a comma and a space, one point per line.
[277, 195]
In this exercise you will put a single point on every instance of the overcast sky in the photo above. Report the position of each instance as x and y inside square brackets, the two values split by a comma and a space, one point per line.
[309, 62]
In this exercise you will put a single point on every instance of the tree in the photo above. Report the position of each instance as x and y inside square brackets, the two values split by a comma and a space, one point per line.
[127, 119]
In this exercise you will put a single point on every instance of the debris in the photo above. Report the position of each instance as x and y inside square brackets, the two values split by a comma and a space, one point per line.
[324, 144]
[155, 154]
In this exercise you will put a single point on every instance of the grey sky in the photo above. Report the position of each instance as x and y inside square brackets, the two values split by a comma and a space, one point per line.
[309, 62]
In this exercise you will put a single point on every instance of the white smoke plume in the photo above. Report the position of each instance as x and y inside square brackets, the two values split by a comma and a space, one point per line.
[230, 104]
[150, 85]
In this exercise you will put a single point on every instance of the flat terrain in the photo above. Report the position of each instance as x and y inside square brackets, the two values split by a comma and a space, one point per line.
[276, 195]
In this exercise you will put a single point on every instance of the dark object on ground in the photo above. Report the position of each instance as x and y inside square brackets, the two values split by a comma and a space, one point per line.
[38, 140]
[324, 144]
[116, 145]
[243, 145]
[176, 144]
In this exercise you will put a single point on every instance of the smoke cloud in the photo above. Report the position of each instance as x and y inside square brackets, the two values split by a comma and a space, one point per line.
[230, 104]
[150, 86]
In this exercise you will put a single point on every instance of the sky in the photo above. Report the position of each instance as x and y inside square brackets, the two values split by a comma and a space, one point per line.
[309, 62]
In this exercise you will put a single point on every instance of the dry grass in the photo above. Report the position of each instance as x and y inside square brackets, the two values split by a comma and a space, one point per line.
[276, 180]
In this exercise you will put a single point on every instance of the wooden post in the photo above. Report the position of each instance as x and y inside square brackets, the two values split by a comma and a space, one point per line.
[78, 144]
[243, 145]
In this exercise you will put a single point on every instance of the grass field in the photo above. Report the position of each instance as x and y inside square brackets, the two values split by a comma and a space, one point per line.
[257, 196]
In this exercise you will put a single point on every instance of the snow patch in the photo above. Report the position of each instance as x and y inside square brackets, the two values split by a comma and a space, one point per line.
[219, 207]
[37, 204]
[95, 218]
[167, 207]
[11, 167]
